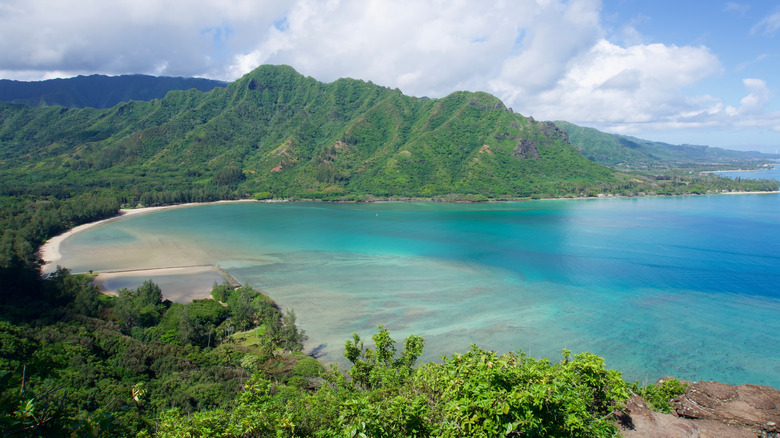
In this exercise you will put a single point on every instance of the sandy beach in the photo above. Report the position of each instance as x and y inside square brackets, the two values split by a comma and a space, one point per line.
[50, 251]
[749, 193]
[180, 284]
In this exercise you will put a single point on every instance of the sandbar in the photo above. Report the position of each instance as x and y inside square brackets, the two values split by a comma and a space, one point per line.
[50, 250]
[180, 284]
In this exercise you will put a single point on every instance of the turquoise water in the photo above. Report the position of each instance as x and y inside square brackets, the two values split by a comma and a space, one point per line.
[773, 173]
[681, 286]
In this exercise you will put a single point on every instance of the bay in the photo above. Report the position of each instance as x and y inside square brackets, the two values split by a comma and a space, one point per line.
[680, 286]
[773, 173]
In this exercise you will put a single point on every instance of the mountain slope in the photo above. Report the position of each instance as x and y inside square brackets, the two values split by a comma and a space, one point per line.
[277, 132]
[97, 91]
[622, 152]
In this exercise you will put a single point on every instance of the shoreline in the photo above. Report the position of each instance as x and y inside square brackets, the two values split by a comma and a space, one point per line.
[738, 170]
[49, 252]
[200, 289]
[749, 193]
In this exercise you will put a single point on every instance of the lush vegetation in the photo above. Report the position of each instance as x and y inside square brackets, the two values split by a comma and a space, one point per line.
[75, 362]
[97, 365]
[277, 134]
[624, 152]
[97, 91]
[477, 394]
[94, 365]
[660, 395]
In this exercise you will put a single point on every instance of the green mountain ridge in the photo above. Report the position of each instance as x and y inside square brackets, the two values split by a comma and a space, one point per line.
[626, 152]
[97, 91]
[290, 135]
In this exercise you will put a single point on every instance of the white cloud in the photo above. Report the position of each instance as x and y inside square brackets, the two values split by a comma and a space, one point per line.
[636, 84]
[740, 8]
[750, 114]
[757, 98]
[545, 51]
[751, 111]
[768, 26]
[552, 59]
[422, 47]
[124, 36]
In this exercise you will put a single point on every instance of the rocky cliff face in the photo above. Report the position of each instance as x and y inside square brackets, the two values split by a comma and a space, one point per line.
[708, 409]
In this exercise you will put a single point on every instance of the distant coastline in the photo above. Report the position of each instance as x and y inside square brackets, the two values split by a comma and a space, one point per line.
[739, 170]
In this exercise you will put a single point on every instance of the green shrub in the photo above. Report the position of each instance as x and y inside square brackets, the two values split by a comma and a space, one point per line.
[658, 396]
[308, 367]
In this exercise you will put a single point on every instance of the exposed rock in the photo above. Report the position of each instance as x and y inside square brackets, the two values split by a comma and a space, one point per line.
[752, 406]
[255, 85]
[476, 104]
[552, 131]
[707, 409]
[526, 148]
[485, 149]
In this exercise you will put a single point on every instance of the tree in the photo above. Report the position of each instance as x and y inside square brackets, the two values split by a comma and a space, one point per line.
[198, 320]
[291, 336]
[241, 310]
[221, 292]
[375, 368]
[229, 176]
[142, 307]
[149, 294]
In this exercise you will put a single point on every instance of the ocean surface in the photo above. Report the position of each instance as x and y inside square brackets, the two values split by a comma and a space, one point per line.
[680, 286]
[773, 173]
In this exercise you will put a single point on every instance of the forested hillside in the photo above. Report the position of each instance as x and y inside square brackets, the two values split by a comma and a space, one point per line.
[625, 152]
[278, 133]
[97, 91]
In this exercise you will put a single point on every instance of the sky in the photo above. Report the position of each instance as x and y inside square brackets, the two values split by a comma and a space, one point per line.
[684, 72]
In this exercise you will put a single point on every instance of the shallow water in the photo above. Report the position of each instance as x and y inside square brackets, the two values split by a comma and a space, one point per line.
[681, 286]
[773, 173]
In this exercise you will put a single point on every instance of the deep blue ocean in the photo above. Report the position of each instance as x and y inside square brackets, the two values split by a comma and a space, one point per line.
[680, 286]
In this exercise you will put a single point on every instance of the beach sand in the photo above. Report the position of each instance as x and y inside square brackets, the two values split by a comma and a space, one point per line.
[749, 193]
[179, 284]
[50, 250]
[182, 283]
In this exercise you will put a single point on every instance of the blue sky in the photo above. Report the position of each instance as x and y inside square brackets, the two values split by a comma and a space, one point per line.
[732, 31]
[743, 36]
[697, 72]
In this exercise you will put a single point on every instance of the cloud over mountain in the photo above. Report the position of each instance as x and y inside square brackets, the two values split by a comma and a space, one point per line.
[552, 59]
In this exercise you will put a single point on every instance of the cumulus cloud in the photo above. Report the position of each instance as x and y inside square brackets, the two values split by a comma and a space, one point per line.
[422, 47]
[635, 84]
[709, 112]
[757, 97]
[751, 111]
[139, 36]
[551, 59]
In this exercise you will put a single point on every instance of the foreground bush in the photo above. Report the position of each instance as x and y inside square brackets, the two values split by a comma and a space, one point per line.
[477, 394]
